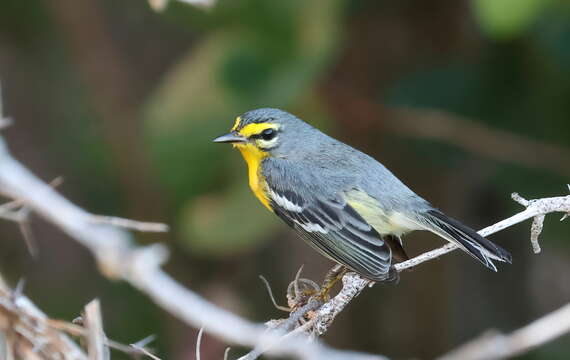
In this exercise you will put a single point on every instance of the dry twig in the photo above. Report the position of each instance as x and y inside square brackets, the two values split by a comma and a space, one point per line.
[353, 284]
[118, 257]
[96, 339]
[26, 334]
[130, 224]
[493, 345]
[26, 330]
[160, 5]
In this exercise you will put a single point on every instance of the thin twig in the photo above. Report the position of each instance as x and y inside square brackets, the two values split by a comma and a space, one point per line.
[130, 224]
[21, 320]
[270, 292]
[199, 343]
[145, 352]
[17, 211]
[80, 331]
[96, 337]
[536, 207]
[26, 230]
[493, 345]
[284, 326]
[118, 257]
[160, 5]
[4, 121]
[353, 284]
[535, 230]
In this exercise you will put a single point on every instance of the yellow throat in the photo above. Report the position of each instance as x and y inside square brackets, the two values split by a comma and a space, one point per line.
[253, 157]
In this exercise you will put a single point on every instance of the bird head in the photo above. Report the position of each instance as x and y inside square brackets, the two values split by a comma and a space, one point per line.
[264, 132]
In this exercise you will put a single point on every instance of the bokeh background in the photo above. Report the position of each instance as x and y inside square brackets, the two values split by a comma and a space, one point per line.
[466, 101]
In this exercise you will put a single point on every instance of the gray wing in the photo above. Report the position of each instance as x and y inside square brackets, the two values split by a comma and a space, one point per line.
[336, 230]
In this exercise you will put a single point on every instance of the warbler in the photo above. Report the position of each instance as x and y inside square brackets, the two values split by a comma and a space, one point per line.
[345, 204]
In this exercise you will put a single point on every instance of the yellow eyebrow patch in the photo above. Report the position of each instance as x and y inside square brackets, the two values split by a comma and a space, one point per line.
[254, 128]
[236, 124]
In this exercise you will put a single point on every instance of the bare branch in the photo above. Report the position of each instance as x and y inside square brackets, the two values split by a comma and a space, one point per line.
[129, 224]
[25, 333]
[493, 345]
[145, 351]
[26, 230]
[24, 328]
[17, 211]
[535, 230]
[353, 284]
[535, 208]
[96, 338]
[199, 343]
[4, 121]
[79, 331]
[118, 257]
[160, 5]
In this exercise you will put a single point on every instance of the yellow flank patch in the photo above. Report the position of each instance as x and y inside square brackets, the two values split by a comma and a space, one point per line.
[254, 128]
[253, 157]
[370, 210]
[236, 124]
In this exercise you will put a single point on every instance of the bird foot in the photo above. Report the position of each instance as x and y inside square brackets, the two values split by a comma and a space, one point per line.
[331, 278]
[300, 291]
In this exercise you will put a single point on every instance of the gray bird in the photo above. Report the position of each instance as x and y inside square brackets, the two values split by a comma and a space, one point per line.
[345, 204]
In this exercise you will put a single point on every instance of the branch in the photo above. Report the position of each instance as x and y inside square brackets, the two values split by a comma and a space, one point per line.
[353, 284]
[160, 5]
[534, 209]
[26, 335]
[493, 345]
[96, 338]
[119, 258]
[129, 224]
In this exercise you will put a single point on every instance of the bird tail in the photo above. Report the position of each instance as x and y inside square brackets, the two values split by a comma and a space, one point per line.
[468, 239]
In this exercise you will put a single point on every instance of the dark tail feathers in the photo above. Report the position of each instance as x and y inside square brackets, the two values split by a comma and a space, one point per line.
[473, 243]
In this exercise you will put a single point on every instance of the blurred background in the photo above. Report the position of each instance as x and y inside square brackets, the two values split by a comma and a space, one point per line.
[466, 101]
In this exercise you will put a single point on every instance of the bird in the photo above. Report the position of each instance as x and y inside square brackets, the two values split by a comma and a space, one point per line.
[342, 202]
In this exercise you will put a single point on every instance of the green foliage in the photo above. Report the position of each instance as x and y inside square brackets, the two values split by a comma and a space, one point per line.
[225, 224]
[262, 53]
[193, 71]
[507, 19]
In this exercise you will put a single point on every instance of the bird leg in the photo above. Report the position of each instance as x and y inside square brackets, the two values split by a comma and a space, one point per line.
[331, 278]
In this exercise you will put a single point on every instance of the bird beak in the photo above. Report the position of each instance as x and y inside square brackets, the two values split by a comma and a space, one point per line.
[232, 137]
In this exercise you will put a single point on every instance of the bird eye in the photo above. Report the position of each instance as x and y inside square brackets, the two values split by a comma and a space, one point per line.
[268, 134]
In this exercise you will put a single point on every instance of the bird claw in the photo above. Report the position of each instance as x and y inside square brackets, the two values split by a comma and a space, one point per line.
[300, 291]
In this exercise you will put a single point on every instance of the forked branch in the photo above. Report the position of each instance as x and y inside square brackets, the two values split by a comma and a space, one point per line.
[353, 284]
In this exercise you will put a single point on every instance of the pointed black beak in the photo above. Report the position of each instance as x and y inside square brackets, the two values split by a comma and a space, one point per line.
[232, 137]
